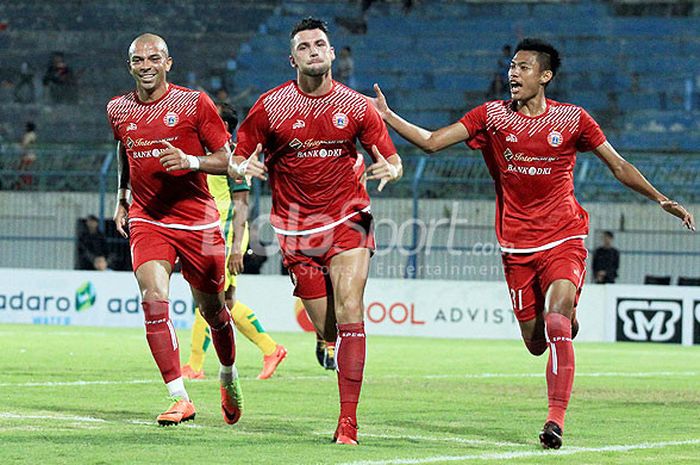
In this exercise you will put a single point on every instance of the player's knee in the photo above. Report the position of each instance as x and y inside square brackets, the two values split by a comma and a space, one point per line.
[349, 309]
[154, 295]
[537, 347]
[562, 305]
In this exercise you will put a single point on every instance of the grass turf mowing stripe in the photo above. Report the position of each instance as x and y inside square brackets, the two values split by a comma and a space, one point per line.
[281, 377]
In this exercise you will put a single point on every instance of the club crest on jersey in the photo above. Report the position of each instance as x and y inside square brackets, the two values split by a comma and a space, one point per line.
[340, 120]
[171, 119]
[555, 138]
[511, 138]
[132, 127]
[299, 124]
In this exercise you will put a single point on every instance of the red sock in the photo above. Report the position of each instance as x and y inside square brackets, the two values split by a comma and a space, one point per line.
[161, 338]
[350, 351]
[560, 367]
[222, 336]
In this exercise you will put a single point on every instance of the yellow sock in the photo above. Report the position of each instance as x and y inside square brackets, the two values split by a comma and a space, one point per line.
[200, 341]
[247, 323]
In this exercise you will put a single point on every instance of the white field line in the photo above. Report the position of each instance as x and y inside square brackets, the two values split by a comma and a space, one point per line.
[412, 437]
[93, 420]
[641, 374]
[524, 454]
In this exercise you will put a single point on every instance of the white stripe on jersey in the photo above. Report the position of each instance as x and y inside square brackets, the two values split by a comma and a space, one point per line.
[325, 227]
[196, 227]
[562, 117]
[287, 101]
[129, 108]
[548, 246]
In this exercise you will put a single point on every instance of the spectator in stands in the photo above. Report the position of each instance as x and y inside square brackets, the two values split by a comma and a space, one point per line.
[60, 80]
[28, 157]
[222, 96]
[100, 263]
[606, 260]
[24, 90]
[503, 64]
[91, 244]
[496, 88]
[346, 67]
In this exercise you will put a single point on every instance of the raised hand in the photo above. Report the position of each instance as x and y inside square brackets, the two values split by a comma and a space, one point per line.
[249, 167]
[382, 170]
[678, 210]
[173, 159]
[379, 102]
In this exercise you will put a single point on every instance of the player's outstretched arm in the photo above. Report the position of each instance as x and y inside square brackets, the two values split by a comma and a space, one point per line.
[239, 166]
[240, 216]
[428, 141]
[385, 169]
[629, 175]
[172, 159]
[121, 212]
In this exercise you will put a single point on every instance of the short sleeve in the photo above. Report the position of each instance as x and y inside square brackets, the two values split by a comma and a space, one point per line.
[590, 134]
[110, 119]
[211, 128]
[373, 132]
[252, 131]
[474, 122]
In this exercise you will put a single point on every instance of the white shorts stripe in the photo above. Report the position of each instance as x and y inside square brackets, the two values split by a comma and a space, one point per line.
[540, 248]
[196, 227]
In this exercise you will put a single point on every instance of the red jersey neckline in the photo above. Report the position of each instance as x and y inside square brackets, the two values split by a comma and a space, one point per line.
[167, 91]
[296, 86]
[548, 103]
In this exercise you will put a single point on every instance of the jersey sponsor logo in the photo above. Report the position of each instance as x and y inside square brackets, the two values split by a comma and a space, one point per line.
[171, 119]
[313, 143]
[132, 127]
[529, 170]
[299, 124]
[555, 139]
[296, 144]
[649, 320]
[129, 142]
[141, 142]
[521, 157]
[320, 153]
[511, 138]
[340, 120]
[155, 153]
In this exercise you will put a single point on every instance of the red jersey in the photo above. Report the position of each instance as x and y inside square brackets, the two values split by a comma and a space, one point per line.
[531, 160]
[186, 118]
[310, 146]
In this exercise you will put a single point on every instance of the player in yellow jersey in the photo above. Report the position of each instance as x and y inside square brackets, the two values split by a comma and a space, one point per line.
[232, 201]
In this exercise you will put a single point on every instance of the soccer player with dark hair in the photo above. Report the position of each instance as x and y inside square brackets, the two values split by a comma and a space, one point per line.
[308, 128]
[529, 144]
[164, 133]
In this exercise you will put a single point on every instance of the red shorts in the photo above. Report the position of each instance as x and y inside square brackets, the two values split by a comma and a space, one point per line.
[308, 257]
[202, 253]
[530, 275]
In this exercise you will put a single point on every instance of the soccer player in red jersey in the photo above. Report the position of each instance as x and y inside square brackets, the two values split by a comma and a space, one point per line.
[529, 144]
[164, 132]
[320, 209]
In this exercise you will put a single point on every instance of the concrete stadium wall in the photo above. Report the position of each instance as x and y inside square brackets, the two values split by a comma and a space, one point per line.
[37, 230]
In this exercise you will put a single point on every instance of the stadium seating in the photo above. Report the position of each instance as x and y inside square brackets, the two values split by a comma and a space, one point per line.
[636, 75]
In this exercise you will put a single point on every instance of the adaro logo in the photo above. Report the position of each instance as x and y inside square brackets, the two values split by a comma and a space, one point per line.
[649, 320]
[85, 296]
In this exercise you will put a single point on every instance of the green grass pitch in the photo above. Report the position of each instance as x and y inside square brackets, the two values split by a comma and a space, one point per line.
[90, 396]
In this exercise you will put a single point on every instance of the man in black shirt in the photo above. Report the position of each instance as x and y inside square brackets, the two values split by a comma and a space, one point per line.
[606, 260]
